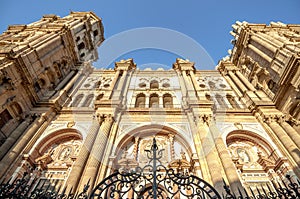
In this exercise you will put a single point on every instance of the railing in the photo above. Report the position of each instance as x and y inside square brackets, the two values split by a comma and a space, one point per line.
[283, 190]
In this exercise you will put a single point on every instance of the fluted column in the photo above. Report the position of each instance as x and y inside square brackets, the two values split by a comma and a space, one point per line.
[210, 153]
[226, 160]
[96, 154]
[77, 169]
[292, 133]
[286, 141]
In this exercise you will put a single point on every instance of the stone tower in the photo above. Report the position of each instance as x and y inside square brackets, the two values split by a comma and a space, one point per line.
[69, 123]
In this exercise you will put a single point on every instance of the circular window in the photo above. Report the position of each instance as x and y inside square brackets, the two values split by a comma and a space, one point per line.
[222, 85]
[202, 85]
[142, 85]
[166, 85]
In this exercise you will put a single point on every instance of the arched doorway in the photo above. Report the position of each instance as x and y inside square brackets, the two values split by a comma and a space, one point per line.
[165, 183]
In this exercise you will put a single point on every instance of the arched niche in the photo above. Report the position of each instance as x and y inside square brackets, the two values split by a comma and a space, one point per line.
[57, 137]
[132, 145]
[256, 161]
[54, 156]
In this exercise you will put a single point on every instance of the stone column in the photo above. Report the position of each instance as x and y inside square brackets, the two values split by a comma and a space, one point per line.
[210, 153]
[292, 133]
[264, 43]
[78, 167]
[28, 139]
[286, 141]
[14, 136]
[106, 167]
[245, 81]
[229, 168]
[97, 152]
[237, 81]
[259, 52]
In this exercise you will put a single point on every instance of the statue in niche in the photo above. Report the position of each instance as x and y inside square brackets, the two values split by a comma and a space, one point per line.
[66, 152]
[243, 155]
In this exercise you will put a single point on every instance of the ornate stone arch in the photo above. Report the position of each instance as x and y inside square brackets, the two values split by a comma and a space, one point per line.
[257, 162]
[55, 154]
[56, 137]
[131, 145]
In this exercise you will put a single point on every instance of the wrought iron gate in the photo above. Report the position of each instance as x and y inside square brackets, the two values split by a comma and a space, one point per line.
[153, 181]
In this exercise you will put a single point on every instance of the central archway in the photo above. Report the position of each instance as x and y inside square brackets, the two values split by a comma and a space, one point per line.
[166, 183]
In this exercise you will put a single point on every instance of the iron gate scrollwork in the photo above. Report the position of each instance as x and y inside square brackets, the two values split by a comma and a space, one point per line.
[153, 181]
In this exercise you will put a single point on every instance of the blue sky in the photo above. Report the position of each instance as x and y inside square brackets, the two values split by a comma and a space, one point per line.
[206, 22]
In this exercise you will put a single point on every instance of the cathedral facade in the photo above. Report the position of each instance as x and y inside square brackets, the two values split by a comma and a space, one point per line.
[68, 123]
